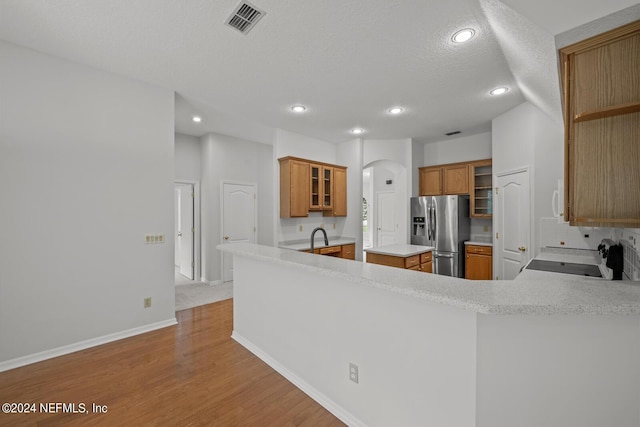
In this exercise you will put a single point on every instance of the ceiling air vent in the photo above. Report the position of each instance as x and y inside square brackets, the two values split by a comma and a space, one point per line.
[455, 132]
[244, 17]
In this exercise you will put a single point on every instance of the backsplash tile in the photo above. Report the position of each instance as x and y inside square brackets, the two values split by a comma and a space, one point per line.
[562, 235]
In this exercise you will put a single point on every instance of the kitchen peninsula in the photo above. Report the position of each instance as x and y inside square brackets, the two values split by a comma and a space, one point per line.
[437, 350]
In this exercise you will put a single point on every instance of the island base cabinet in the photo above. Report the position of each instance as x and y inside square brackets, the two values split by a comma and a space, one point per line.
[420, 262]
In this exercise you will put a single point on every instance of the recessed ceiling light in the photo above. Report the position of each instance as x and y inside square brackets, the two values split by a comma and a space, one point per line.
[196, 119]
[298, 108]
[396, 110]
[499, 90]
[357, 131]
[463, 35]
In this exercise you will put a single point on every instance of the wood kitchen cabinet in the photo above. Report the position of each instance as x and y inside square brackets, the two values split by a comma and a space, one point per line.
[294, 188]
[444, 179]
[601, 100]
[321, 187]
[478, 263]
[339, 206]
[430, 183]
[311, 186]
[348, 251]
[456, 179]
[480, 200]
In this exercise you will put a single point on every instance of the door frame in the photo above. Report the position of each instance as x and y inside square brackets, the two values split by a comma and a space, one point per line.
[497, 252]
[255, 217]
[196, 225]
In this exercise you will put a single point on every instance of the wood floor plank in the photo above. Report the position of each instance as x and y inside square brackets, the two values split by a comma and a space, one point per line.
[192, 374]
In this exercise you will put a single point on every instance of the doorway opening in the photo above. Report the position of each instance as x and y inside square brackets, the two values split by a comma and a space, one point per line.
[186, 232]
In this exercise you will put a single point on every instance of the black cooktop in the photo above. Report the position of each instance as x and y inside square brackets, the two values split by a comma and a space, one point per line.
[591, 270]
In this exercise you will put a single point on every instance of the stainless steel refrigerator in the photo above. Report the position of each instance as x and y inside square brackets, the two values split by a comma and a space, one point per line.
[442, 222]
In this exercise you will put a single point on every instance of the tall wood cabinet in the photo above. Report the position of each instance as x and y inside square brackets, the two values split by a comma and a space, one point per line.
[601, 96]
[308, 186]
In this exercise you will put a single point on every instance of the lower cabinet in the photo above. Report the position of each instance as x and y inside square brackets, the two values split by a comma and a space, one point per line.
[420, 262]
[339, 251]
[479, 262]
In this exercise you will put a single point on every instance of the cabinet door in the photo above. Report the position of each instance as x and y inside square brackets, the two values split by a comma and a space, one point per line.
[430, 181]
[294, 188]
[339, 193]
[427, 267]
[481, 194]
[456, 179]
[315, 187]
[601, 80]
[327, 187]
[479, 263]
[349, 251]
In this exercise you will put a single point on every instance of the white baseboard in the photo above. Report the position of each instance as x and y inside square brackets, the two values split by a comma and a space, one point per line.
[215, 282]
[331, 406]
[71, 348]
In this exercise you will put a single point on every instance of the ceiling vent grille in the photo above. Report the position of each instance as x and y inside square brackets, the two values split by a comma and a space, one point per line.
[244, 17]
[455, 132]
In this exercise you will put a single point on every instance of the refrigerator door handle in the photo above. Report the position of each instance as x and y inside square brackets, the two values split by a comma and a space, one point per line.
[443, 256]
[429, 222]
[434, 221]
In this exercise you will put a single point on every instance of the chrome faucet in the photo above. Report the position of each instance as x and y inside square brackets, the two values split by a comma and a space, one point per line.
[313, 233]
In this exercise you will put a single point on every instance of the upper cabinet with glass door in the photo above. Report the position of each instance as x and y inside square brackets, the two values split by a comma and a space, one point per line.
[321, 181]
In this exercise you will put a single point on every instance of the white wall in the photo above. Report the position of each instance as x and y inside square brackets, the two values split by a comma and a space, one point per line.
[187, 157]
[229, 159]
[349, 154]
[461, 149]
[525, 136]
[86, 171]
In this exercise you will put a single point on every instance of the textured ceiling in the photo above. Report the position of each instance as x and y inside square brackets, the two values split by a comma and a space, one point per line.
[348, 62]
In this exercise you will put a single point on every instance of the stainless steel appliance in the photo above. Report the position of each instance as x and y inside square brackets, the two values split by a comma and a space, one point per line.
[442, 222]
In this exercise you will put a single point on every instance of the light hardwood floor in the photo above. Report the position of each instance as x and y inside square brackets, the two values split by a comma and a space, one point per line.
[189, 374]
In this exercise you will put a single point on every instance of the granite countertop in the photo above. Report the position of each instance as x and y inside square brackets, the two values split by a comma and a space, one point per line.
[552, 296]
[305, 244]
[400, 250]
[478, 243]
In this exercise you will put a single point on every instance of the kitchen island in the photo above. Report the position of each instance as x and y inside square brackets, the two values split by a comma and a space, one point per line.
[433, 350]
[412, 257]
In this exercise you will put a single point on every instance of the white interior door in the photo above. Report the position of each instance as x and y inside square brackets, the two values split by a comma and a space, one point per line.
[512, 210]
[238, 220]
[386, 218]
[186, 230]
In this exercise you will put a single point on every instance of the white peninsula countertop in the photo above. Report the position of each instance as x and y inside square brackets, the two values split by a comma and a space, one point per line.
[504, 297]
[400, 250]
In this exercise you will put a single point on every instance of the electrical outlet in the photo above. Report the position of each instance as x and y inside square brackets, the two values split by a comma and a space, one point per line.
[485, 228]
[321, 225]
[353, 372]
[334, 226]
[300, 227]
[147, 302]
